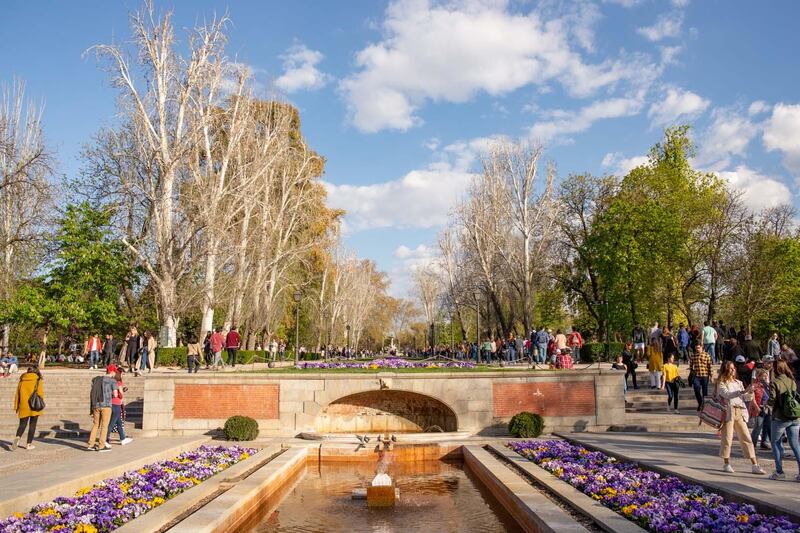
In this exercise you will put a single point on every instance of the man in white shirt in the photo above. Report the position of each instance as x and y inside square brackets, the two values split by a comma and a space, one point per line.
[710, 341]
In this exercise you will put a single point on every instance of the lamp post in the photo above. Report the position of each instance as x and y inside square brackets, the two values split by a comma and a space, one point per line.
[347, 348]
[297, 297]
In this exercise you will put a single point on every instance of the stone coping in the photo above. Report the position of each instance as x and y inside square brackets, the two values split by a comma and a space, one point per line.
[765, 504]
[532, 510]
[319, 375]
[602, 516]
[173, 509]
[231, 508]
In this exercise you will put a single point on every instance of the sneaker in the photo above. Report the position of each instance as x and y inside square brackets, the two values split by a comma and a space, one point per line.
[15, 444]
[778, 475]
[29, 447]
[677, 412]
[765, 446]
[105, 448]
[91, 448]
[758, 470]
[728, 469]
[126, 441]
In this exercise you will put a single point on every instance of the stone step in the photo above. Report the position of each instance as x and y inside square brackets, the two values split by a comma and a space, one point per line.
[685, 422]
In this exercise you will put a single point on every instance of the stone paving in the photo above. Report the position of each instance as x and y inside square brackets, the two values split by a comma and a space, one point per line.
[696, 455]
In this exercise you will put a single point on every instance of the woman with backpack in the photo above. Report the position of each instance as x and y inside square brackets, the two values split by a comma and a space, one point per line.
[734, 395]
[29, 383]
[785, 415]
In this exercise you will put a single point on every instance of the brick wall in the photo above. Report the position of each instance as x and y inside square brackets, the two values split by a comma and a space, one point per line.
[221, 401]
[561, 398]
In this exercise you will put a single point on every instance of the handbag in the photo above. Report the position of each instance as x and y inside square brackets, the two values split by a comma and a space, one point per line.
[36, 402]
[713, 413]
[680, 383]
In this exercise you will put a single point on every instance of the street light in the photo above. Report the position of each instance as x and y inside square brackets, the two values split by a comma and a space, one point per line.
[347, 349]
[297, 297]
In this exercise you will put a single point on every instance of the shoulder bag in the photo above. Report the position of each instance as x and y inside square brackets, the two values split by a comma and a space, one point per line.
[36, 402]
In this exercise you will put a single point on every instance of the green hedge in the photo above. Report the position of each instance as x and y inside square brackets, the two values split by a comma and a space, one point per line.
[526, 425]
[240, 428]
[593, 352]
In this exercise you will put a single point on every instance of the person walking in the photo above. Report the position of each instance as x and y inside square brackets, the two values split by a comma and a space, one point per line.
[655, 362]
[232, 342]
[760, 413]
[683, 343]
[668, 344]
[710, 341]
[217, 341]
[29, 382]
[117, 409]
[699, 374]
[639, 338]
[732, 391]
[148, 356]
[208, 355]
[109, 349]
[575, 342]
[542, 340]
[133, 345]
[669, 381]
[193, 355]
[91, 350]
[785, 416]
[104, 389]
[630, 365]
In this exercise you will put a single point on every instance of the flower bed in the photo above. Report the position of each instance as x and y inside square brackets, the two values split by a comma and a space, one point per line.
[113, 502]
[655, 502]
[389, 362]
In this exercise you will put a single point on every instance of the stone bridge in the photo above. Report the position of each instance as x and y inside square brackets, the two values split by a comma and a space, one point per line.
[289, 404]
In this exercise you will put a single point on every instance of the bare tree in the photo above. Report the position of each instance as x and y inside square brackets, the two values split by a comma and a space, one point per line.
[25, 165]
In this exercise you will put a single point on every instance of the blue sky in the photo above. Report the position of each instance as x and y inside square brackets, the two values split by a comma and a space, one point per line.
[400, 97]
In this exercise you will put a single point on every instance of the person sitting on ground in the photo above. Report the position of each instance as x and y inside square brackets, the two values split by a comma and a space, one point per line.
[733, 392]
[9, 364]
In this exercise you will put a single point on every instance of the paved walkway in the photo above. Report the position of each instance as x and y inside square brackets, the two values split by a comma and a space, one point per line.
[696, 455]
[59, 467]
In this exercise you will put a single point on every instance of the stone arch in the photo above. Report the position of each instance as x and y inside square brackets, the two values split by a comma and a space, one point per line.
[382, 411]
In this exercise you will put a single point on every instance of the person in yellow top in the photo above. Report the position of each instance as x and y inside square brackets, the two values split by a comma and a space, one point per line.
[668, 381]
[28, 382]
[655, 362]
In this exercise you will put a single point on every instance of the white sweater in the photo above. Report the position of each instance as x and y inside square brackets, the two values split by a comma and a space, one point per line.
[732, 392]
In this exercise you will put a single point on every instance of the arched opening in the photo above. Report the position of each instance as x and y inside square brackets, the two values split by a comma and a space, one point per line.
[382, 411]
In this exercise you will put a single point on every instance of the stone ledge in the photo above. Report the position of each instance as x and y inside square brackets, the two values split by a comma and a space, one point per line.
[529, 507]
[602, 516]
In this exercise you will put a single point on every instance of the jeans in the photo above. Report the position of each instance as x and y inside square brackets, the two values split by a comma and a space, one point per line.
[792, 429]
[683, 352]
[116, 422]
[760, 423]
[193, 363]
[576, 354]
[542, 357]
[700, 387]
[709, 348]
[217, 360]
[672, 394]
[631, 372]
[512, 355]
[144, 361]
[94, 358]
[23, 422]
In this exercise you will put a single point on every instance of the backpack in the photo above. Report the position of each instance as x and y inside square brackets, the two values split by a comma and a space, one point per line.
[790, 403]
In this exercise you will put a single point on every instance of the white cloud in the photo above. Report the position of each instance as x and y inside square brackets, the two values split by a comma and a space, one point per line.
[560, 123]
[782, 132]
[758, 107]
[677, 104]
[758, 191]
[680, 3]
[300, 70]
[624, 3]
[449, 51]
[420, 199]
[621, 164]
[666, 25]
[407, 260]
[728, 134]
[669, 54]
